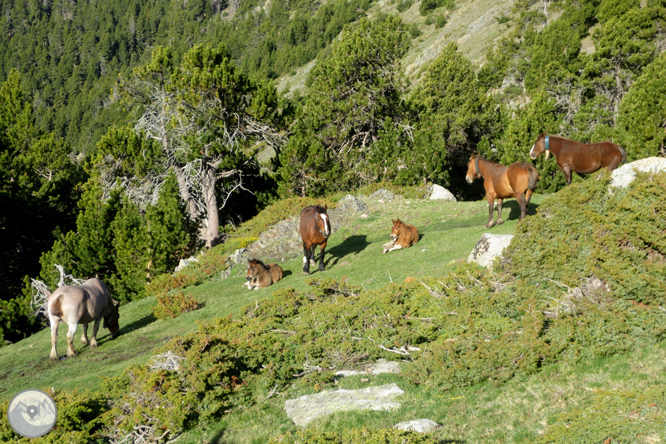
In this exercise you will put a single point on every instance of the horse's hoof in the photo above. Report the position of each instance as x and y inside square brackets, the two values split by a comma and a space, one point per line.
[499, 222]
[53, 358]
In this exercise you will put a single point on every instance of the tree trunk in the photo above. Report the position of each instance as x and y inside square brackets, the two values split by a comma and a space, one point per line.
[211, 230]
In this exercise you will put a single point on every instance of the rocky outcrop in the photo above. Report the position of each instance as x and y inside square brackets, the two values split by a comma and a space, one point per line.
[441, 193]
[309, 407]
[623, 176]
[488, 248]
[418, 425]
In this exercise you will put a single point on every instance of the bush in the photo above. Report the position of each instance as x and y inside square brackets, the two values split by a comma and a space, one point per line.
[355, 436]
[174, 304]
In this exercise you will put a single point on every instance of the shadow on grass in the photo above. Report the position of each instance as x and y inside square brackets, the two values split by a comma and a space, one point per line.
[146, 320]
[352, 245]
[515, 209]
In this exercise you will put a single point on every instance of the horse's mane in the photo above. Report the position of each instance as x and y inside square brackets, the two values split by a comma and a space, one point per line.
[261, 263]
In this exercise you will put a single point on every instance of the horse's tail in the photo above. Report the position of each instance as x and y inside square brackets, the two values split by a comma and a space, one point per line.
[624, 154]
[56, 307]
[534, 178]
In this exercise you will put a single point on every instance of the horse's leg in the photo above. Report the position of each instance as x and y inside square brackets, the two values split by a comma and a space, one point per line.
[500, 221]
[93, 337]
[523, 205]
[566, 169]
[54, 337]
[84, 337]
[70, 338]
[396, 246]
[321, 256]
[491, 209]
[306, 258]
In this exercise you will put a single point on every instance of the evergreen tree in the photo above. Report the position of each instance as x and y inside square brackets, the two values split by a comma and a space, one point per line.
[350, 95]
[171, 235]
[642, 120]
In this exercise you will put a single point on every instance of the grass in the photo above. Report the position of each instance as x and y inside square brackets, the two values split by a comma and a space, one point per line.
[449, 232]
[518, 411]
[522, 410]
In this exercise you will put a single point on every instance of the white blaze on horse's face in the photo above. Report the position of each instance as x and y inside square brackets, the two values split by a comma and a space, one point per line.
[327, 230]
[532, 156]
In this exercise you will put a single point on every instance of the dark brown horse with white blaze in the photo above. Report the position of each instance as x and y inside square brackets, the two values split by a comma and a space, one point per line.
[315, 228]
[81, 304]
[260, 275]
[518, 180]
[583, 158]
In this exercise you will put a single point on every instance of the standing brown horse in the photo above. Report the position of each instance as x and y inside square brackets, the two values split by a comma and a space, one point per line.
[402, 236]
[518, 180]
[260, 275]
[315, 228]
[583, 158]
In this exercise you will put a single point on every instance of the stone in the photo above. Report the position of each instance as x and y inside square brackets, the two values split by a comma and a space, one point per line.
[237, 256]
[309, 407]
[488, 248]
[623, 176]
[383, 195]
[185, 262]
[352, 203]
[418, 425]
[441, 193]
[383, 366]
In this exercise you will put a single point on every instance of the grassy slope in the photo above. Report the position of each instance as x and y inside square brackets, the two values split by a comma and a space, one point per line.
[449, 232]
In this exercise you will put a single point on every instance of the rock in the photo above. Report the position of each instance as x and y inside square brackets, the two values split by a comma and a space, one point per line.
[488, 248]
[237, 256]
[418, 425]
[309, 407]
[384, 366]
[623, 176]
[352, 203]
[185, 262]
[441, 193]
[383, 194]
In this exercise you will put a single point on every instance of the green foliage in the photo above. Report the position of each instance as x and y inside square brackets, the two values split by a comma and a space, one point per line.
[351, 94]
[355, 436]
[634, 416]
[174, 304]
[404, 5]
[455, 115]
[172, 235]
[640, 125]
[16, 321]
[426, 6]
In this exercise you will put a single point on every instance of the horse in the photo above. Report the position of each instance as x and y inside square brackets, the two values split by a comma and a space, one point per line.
[81, 304]
[260, 275]
[583, 158]
[518, 180]
[315, 228]
[402, 236]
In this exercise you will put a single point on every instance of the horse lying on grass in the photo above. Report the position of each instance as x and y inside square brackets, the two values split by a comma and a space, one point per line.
[260, 275]
[402, 236]
[81, 304]
[518, 180]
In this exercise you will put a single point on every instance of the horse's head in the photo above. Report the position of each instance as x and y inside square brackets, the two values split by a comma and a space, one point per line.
[111, 319]
[323, 223]
[539, 147]
[473, 169]
[251, 269]
[397, 228]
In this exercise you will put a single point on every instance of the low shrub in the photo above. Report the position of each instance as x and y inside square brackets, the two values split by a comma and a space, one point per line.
[355, 436]
[174, 304]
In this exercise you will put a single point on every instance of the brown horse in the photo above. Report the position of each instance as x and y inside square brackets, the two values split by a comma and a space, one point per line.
[583, 158]
[402, 236]
[315, 228]
[518, 180]
[81, 304]
[260, 275]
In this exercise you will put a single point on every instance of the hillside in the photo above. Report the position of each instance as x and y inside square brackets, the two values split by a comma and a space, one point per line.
[535, 352]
